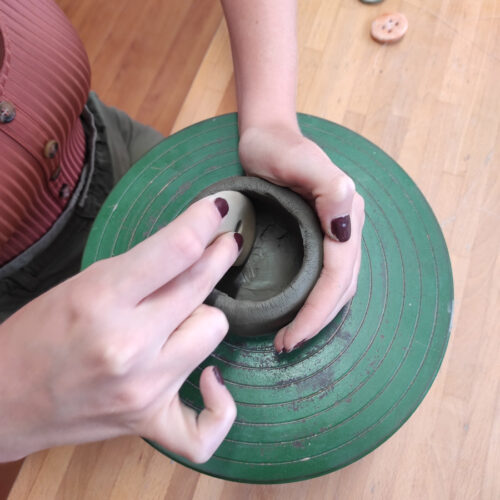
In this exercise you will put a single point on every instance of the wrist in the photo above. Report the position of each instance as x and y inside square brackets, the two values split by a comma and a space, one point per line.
[269, 113]
[270, 122]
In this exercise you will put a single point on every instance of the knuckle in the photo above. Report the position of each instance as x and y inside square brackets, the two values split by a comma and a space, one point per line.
[205, 278]
[188, 244]
[94, 293]
[112, 359]
[343, 187]
[81, 306]
[230, 253]
[216, 319]
[131, 398]
[231, 412]
[211, 214]
[99, 271]
[347, 186]
[200, 453]
[75, 303]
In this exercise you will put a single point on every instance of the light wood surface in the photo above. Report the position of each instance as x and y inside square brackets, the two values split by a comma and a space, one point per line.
[433, 103]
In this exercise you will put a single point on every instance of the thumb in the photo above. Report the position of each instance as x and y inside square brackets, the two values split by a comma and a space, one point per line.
[195, 436]
[311, 172]
[333, 199]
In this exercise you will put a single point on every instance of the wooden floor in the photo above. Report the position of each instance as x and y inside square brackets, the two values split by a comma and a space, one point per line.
[433, 103]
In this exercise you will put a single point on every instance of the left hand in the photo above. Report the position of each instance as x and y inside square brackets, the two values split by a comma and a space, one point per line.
[105, 353]
[283, 156]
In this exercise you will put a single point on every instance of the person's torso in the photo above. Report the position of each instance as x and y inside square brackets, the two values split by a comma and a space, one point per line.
[44, 84]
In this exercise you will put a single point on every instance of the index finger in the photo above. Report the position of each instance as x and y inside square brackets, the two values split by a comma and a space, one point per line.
[332, 290]
[323, 303]
[170, 251]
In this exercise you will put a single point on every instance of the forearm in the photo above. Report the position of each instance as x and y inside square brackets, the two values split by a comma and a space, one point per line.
[264, 47]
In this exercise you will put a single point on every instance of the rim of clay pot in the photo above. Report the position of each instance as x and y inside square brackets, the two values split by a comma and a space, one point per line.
[250, 318]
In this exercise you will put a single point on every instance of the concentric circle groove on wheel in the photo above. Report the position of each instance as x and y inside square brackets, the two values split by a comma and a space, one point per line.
[351, 387]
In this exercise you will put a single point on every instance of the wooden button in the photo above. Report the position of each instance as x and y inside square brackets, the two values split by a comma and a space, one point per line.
[7, 112]
[389, 28]
[64, 192]
[50, 149]
[239, 219]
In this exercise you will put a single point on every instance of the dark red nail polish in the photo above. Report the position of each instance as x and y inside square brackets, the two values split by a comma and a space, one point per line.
[239, 240]
[222, 206]
[218, 375]
[300, 344]
[341, 228]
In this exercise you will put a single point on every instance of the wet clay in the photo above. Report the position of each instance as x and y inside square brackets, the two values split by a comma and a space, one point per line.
[275, 258]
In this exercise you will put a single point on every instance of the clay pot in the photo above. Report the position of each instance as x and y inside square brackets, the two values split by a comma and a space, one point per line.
[266, 292]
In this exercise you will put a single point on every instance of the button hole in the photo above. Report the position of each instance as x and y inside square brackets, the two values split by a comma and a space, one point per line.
[238, 226]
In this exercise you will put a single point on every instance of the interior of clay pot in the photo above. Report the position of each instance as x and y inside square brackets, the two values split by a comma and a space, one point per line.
[276, 256]
[265, 293]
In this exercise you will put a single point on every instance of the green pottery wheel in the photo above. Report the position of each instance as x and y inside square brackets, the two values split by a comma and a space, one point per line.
[350, 388]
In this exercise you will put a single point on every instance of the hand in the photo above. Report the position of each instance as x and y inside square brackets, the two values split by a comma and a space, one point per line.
[282, 155]
[105, 353]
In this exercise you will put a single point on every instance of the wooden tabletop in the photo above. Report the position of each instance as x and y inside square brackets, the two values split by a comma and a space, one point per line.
[432, 102]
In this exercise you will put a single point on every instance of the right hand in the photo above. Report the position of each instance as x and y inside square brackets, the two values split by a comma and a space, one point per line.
[105, 353]
[280, 154]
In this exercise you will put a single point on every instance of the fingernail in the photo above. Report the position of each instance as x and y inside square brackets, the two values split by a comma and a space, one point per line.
[279, 352]
[222, 206]
[341, 228]
[218, 375]
[300, 344]
[239, 240]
